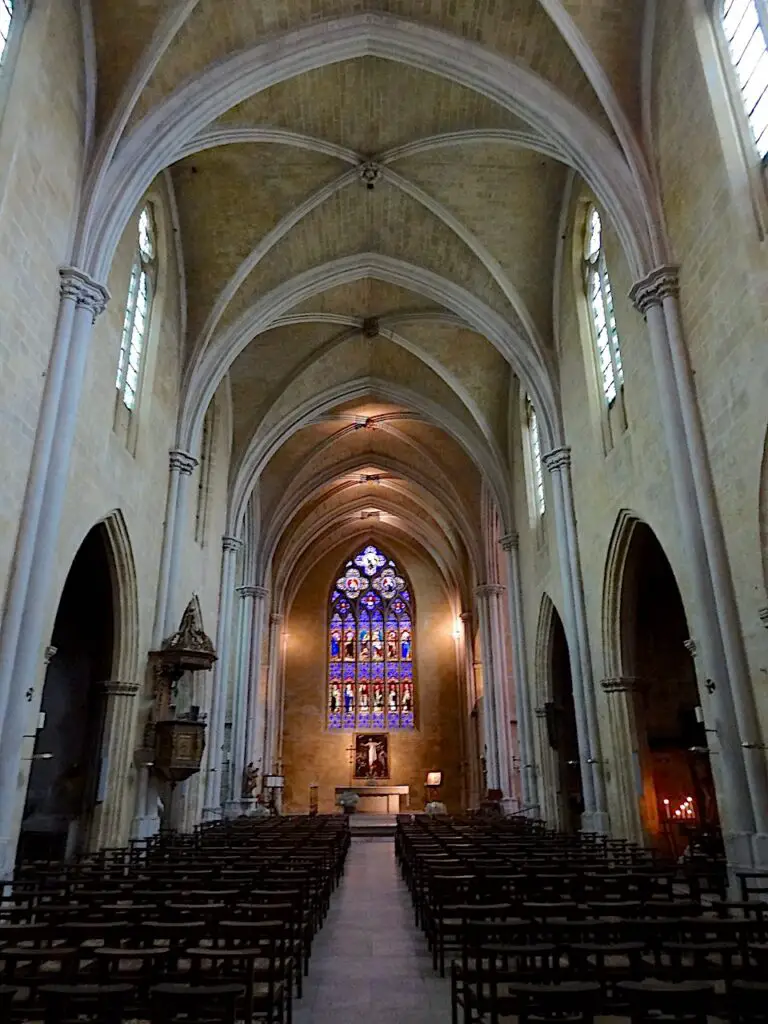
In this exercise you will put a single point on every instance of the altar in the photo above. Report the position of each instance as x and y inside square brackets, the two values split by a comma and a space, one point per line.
[379, 799]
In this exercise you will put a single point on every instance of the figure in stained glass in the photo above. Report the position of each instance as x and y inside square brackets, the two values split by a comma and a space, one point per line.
[370, 645]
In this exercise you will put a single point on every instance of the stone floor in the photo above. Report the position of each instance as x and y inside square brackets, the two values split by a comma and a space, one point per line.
[369, 963]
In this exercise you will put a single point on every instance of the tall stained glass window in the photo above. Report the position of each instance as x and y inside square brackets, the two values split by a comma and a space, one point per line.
[138, 308]
[745, 25]
[600, 299]
[370, 646]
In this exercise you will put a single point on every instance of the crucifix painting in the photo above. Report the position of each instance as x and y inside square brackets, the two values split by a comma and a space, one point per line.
[372, 755]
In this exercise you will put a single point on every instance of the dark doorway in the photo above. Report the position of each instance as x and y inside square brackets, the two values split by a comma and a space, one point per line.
[66, 765]
[561, 729]
[655, 631]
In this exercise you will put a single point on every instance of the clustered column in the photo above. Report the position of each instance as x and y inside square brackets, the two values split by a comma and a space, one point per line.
[558, 462]
[510, 544]
[624, 695]
[274, 696]
[495, 699]
[217, 720]
[81, 301]
[738, 760]
[181, 466]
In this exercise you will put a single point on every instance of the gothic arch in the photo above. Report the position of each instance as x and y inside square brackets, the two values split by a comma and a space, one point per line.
[125, 665]
[614, 592]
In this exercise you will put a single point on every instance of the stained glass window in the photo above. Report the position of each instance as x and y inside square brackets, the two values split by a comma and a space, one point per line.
[370, 645]
[6, 17]
[600, 299]
[745, 25]
[537, 474]
[138, 308]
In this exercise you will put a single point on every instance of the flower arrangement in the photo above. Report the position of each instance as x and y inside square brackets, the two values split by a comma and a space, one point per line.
[348, 799]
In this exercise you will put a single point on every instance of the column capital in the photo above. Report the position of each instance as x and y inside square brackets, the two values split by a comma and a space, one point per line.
[82, 289]
[763, 616]
[557, 459]
[510, 541]
[118, 688]
[651, 290]
[540, 712]
[275, 619]
[181, 461]
[489, 590]
[466, 617]
[690, 646]
[623, 684]
[251, 591]
[48, 653]
[231, 543]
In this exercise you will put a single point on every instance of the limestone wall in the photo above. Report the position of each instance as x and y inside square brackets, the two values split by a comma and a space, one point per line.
[313, 754]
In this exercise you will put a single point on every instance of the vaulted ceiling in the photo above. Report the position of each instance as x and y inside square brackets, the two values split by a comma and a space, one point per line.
[361, 203]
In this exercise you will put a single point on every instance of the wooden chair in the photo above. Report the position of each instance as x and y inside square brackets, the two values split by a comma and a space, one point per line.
[101, 1004]
[170, 1001]
[651, 1000]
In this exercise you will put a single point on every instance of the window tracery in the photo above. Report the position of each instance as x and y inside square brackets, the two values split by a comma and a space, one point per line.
[537, 471]
[745, 27]
[600, 298]
[138, 309]
[370, 646]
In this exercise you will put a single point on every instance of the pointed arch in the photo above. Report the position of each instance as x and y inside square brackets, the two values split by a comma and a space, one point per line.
[125, 665]
[614, 593]
[542, 675]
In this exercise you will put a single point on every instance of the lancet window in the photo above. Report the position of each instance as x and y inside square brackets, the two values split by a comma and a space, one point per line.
[370, 645]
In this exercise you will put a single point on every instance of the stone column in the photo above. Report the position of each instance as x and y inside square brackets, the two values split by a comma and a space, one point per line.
[730, 712]
[27, 598]
[181, 466]
[473, 752]
[246, 713]
[217, 717]
[495, 702]
[629, 758]
[510, 544]
[274, 675]
[549, 789]
[595, 817]
[116, 757]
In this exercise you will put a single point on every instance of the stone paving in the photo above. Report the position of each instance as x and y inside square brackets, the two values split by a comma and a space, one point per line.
[369, 962]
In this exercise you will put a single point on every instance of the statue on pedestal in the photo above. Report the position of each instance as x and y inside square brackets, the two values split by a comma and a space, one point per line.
[250, 781]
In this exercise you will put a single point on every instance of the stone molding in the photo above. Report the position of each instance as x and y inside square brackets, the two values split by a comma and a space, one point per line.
[763, 615]
[540, 712]
[662, 283]
[182, 462]
[557, 459]
[369, 173]
[690, 646]
[251, 591]
[48, 653]
[489, 590]
[231, 543]
[623, 684]
[118, 688]
[466, 617]
[510, 541]
[275, 619]
[81, 288]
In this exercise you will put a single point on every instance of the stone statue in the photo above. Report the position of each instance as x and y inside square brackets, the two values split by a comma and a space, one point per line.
[250, 780]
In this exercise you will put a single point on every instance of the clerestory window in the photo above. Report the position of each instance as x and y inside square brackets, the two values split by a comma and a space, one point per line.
[138, 309]
[745, 27]
[534, 449]
[600, 299]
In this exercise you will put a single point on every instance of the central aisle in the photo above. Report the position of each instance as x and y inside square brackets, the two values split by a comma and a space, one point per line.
[370, 963]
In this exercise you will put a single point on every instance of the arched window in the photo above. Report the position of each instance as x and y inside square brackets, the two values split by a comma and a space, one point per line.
[745, 26]
[6, 17]
[600, 299]
[538, 501]
[370, 646]
[137, 309]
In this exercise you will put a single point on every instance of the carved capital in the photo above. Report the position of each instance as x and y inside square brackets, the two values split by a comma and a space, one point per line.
[557, 459]
[690, 646]
[763, 614]
[540, 712]
[489, 590]
[275, 619]
[466, 617]
[231, 543]
[623, 684]
[80, 288]
[510, 541]
[249, 591]
[118, 688]
[182, 462]
[660, 284]
[48, 653]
